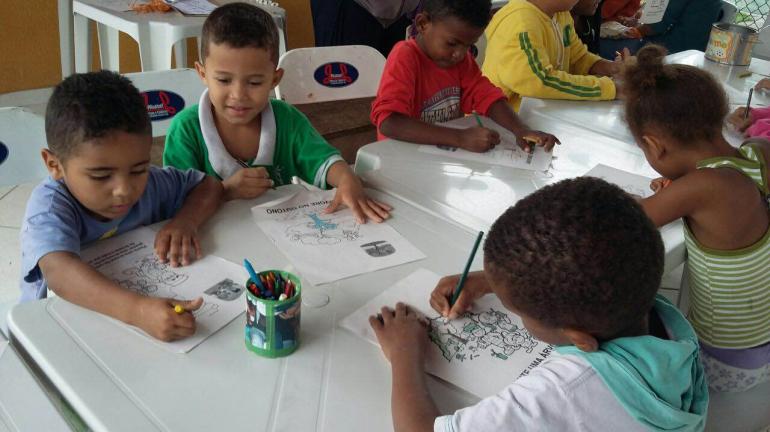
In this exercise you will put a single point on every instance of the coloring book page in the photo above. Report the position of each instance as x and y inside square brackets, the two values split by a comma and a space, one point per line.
[634, 184]
[130, 261]
[482, 352]
[507, 153]
[329, 247]
[653, 11]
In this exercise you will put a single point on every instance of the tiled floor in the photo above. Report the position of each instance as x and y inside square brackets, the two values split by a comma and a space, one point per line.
[13, 200]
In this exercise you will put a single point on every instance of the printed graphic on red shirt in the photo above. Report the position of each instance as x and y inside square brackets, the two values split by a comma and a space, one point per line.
[442, 106]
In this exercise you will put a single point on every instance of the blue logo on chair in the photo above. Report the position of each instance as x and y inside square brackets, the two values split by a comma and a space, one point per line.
[162, 104]
[3, 153]
[336, 74]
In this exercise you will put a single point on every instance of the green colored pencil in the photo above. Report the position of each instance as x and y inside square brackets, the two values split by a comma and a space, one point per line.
[478, 119]
[461, 282]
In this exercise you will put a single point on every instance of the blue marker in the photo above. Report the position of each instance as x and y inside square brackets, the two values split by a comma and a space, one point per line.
[253, 275]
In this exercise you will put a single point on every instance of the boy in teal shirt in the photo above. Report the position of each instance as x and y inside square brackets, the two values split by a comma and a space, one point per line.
[582, 273]
[240, 135]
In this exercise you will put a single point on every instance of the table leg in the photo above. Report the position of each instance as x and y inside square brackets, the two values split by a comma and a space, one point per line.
[153, 56]
[66, 38]
[109, 47]
[180, 53]
[82, 35]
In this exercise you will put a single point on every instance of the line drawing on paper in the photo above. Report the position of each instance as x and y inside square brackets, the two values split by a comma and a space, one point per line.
[149, 276]
[490, 333]
[323, 230]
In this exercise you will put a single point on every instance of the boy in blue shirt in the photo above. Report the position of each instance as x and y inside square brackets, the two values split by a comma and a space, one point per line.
[101, 184]
[582, 273]
[241, 136]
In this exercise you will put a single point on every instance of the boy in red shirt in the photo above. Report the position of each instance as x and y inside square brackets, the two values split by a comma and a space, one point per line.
[433, 78]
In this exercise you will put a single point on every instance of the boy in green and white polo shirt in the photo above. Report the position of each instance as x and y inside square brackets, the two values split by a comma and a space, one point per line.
[238, 134]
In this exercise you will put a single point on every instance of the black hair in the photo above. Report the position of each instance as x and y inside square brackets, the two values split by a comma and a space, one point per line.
[91, 105]
[682, 101]
[474, 12]
[579, 254]
[240, 25]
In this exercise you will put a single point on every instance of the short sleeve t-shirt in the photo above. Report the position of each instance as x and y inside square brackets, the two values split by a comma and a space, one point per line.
[563, 393]
[289, 145]
[413, 85]
[56, 221]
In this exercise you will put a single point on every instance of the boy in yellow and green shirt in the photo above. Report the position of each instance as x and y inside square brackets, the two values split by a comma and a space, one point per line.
[533, 50]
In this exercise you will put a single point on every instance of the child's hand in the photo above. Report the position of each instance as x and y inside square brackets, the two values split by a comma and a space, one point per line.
[763, 84]
[478, 139]
[351, 193]
[247, 183]
[403, 334]
[659, 184]
[475, 287]
[633, 33]
[628, 21]
[177, 243]
[736, 119]
[159, 319]
[526, 138]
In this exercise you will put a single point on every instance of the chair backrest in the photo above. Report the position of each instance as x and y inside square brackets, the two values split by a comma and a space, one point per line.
[324, 74]
[166, 93]
[22, 136]
[728, 12]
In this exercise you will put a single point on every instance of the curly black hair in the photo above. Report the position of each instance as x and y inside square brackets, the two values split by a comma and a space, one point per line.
[578, 254]
[91, 105]
[661, 95]
[474, 12]
[240, 25]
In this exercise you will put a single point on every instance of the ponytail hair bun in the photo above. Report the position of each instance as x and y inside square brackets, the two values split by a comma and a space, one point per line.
[648, 70]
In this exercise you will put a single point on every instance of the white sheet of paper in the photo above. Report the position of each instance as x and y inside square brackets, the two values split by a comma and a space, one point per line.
[329, 247]
[507, 153]
[632, 183]
[119, 5]
[3, 345]
[193, 7]
[482, 352]
[653, 11]
[130, 260]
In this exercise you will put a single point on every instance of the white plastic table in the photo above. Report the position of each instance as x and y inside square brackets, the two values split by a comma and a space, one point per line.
[24, 405]
[606, 117]
[117, 380]
[475, 194]
[155, 33]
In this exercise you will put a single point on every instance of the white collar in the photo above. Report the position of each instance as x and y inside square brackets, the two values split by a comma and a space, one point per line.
[221, 161]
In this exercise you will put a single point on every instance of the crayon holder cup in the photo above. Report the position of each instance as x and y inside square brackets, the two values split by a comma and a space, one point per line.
[272, 326]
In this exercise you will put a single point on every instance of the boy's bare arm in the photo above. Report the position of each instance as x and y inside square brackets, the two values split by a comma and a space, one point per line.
[413, 407]
[79, 283]
[177, 242]
[404, 128]
[202, 202]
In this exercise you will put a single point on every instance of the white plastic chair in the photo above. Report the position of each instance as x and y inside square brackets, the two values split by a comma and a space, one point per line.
[22, 134]
[325, 74]
[166, 93]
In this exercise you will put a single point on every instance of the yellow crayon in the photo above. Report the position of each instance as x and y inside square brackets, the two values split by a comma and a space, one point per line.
[179, 309]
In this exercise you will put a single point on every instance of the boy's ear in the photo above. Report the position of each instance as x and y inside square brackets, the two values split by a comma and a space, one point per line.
[52, 164]
[584, 341]
[421, 21]
[201, 71]
[655, 147]
[277, 77]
